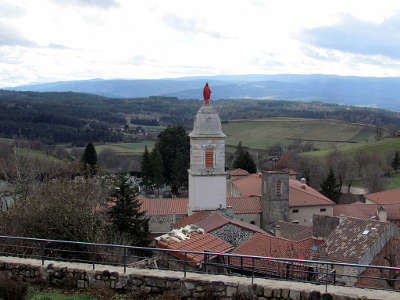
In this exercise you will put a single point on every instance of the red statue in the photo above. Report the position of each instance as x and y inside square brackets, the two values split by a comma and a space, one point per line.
[206, 94]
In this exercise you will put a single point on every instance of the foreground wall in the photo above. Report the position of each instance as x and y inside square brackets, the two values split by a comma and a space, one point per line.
[156, 282]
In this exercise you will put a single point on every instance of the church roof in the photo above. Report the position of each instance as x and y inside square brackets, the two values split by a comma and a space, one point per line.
[207, 123]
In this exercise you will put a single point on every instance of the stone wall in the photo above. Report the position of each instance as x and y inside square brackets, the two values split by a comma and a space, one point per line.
[155, 282]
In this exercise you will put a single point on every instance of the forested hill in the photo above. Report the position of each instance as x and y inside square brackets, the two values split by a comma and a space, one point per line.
[346, 90]
[78, 118]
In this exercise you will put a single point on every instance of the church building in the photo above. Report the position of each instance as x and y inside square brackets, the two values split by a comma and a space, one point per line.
[251, 198]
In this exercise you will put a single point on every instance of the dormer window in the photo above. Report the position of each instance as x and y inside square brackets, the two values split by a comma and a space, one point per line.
[209, 159]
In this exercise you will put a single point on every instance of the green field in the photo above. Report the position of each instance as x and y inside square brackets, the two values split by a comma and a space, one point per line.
[126, 148]
[324, 134]
[381, 148]
[392, 182]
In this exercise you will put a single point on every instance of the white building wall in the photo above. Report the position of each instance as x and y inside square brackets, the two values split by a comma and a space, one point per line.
[207, 192]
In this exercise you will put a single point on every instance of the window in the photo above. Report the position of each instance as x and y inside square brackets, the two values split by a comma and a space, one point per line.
[295, 211]
[322, 209]
[278, 188]
[209, 158]
[252, 222]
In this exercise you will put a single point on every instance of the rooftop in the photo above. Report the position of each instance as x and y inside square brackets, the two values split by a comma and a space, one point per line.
[196, 242]
[238, 172]
[300, 194]
[366, 210]
[214, 221]
[351, 239]
[292, 231]
[385, 197]
[271, 246]
[179, 206]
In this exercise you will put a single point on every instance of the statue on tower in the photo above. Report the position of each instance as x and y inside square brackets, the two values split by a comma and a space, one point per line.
[206, 94]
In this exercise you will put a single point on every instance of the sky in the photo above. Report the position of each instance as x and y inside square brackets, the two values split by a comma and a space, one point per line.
[55, 40]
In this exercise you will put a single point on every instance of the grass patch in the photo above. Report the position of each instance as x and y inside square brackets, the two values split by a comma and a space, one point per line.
[323, 133]
[60, 296]
[127, 148]
[381, 148]
[393, 182]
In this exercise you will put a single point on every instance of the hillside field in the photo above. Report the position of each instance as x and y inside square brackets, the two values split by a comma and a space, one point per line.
[323, 133]
[380, 148]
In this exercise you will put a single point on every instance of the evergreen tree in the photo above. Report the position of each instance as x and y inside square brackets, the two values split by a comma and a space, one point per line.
[147, 169]
[129, 221]
[396, 161]
[174, 147]
[330, 188]
[89, 160]
[243, 160]
[156, 167]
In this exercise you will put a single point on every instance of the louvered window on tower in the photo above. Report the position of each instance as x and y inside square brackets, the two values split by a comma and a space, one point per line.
[278, 188]
[209, 158]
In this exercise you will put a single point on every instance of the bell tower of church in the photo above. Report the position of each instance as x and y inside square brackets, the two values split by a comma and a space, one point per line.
[207, 176]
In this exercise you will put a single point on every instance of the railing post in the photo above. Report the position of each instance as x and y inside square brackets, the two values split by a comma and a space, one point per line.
[184, 266]
[42, 251]
[334, 276]
[229, 264]
[326, 278]
[252, 271]
[241, 262]
[124, 260]
[94, 257]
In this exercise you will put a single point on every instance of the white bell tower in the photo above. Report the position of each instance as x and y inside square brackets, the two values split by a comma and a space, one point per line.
[207, 176]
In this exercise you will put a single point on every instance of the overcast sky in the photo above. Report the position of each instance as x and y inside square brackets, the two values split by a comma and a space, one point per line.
[51, 40]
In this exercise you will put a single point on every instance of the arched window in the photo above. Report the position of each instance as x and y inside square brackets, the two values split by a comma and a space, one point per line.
[209, 159]
[278, 188]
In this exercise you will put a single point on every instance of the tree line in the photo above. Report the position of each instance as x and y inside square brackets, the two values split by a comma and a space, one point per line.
[77, 118]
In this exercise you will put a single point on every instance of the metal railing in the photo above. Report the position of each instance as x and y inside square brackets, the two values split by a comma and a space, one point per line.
[319, 272]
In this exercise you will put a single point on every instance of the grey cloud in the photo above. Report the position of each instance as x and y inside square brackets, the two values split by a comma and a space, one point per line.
[10, 10]
[327, 55]
[188, 26]
[11, 37]
[96, 3]
[357, 36]
[57, 46]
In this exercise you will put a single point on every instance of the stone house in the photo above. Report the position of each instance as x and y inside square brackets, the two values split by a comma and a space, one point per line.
[351, 240]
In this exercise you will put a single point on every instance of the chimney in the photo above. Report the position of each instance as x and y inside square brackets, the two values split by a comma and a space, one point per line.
[277, 230]
[382, 214]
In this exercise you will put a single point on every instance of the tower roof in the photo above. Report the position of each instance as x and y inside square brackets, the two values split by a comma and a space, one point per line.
[207, 123]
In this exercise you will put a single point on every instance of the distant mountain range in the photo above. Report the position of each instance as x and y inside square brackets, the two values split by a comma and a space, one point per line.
[347, 90]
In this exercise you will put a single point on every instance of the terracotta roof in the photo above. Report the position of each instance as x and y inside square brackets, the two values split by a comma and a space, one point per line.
[238, 172]
[245, 205]
[168, 206]
[301, 194]
[215, 220]
[292, 231]
[385, 197]
[192, 219]
[366, 210]
[351, 239]
[271, 246]
[249, 185]
[164, 206]
[196, 242]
